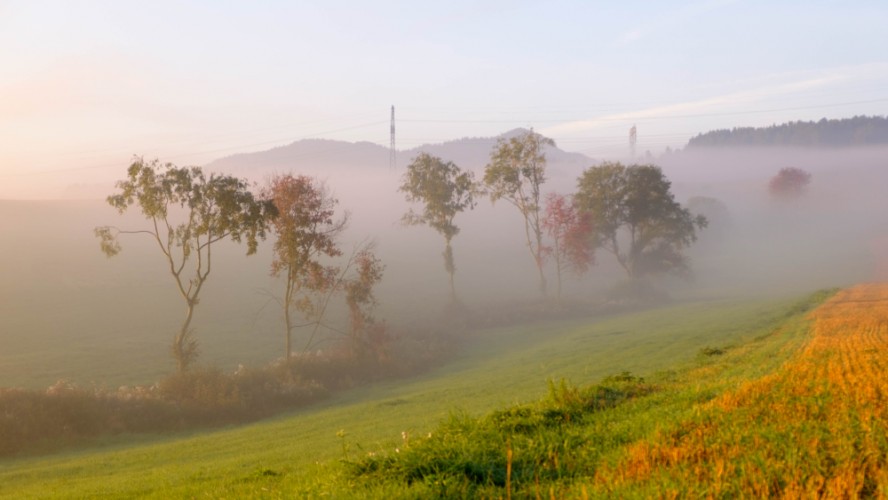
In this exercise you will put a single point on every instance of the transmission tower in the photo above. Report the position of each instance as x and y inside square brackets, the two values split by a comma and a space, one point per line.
[632, 139]
[392, 146]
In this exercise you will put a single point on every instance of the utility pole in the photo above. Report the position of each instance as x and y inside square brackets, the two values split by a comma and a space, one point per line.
[632, 139]
[392, 154]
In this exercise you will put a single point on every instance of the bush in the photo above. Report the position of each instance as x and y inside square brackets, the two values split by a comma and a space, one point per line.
[65, 414]
[469, 453]
[711, 351]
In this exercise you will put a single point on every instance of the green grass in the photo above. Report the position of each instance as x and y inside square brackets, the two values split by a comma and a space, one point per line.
[299, 454]
[557, 444]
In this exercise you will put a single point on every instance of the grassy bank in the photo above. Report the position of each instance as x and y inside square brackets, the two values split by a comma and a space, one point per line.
[300, 453]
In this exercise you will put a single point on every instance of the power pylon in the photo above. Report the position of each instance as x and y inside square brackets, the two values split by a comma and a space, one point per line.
[632, 139]
[392, 154]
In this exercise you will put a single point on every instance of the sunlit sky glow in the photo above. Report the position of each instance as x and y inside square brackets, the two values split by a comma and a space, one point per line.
[84, 85]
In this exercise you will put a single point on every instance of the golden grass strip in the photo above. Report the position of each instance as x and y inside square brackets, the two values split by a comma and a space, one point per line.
[815, 428]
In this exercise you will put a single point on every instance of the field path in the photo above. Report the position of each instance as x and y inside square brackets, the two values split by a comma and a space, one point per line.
[817, 427]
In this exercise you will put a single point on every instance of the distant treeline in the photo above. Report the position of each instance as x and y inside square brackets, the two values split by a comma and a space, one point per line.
[857, 131]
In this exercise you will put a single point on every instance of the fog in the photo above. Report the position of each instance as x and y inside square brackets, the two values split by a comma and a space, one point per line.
[833, 235]
[67, 311]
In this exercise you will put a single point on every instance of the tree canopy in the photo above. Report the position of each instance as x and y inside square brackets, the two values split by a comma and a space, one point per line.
[790, 182]
[635, 217]
[856, 131]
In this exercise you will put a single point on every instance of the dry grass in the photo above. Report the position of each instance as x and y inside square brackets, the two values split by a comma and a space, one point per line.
[815, 428]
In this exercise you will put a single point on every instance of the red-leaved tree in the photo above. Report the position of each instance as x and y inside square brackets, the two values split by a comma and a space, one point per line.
[307, 232]
[790, 182]
[570, 231]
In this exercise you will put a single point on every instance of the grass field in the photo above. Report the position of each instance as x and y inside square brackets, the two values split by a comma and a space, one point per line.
[814, 428]
[300, 454]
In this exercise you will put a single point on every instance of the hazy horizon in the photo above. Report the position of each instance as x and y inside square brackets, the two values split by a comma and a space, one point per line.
[58, 287]
[87, 85]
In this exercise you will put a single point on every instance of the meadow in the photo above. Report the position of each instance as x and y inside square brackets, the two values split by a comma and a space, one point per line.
[814, 428]
[650, 370]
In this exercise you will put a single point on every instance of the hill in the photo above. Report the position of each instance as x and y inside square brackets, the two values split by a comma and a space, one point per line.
[846, 132]
[325, 156]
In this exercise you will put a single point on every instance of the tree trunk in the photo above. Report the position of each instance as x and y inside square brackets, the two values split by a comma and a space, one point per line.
[543, 284]
[538, 256]
[288, 322]
[289, 327]
[451, 269]
[184, 348]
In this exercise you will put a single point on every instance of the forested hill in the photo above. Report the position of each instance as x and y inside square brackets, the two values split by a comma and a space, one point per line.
[857, 131]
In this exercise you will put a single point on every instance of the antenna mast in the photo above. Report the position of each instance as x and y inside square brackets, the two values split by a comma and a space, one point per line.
[392, 146]
[632, 139]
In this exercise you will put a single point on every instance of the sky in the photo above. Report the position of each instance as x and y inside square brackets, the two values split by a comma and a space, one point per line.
[85, 85]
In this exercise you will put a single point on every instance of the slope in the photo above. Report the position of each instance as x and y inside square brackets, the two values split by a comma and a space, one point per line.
[292, 455]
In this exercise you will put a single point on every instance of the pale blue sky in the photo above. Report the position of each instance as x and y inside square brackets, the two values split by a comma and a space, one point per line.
[86, 84]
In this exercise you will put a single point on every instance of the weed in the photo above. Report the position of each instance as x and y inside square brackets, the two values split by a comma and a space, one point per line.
[515, 446]
[712, 351]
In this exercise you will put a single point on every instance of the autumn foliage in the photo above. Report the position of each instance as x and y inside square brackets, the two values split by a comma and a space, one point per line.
[307, 230]
[571, 232]
[790, 182]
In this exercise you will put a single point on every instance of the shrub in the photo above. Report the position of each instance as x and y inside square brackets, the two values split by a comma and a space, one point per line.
[712, 351]
[469, 453]
[65, 414]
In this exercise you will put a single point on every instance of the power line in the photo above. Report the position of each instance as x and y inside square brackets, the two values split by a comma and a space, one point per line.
[648, 117]
[603, 140]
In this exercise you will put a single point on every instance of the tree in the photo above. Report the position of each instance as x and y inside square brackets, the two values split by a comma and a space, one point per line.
[570, 231]
[790, 182]
[635, 217]
[306, 233]
[188, 214]
[359, 298]
[515, 173]
[445, 191]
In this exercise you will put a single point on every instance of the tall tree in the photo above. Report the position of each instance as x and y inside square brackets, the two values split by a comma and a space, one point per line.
[307, 232]
[635, 217]
[188, 214]
[516, 171]
[445, 191]
[570, 231]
